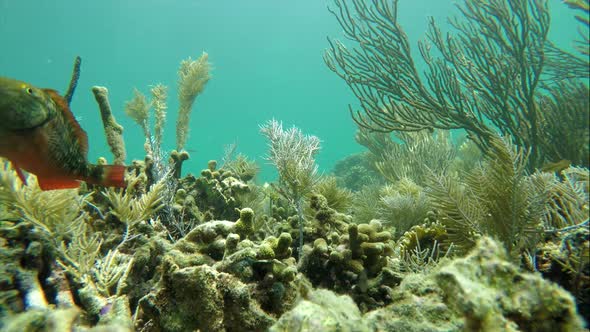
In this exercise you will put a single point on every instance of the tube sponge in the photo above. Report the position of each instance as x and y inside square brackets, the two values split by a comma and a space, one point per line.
[193, 75]
[113, 130]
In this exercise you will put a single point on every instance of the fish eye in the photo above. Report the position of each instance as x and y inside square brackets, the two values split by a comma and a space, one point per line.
[29, 91]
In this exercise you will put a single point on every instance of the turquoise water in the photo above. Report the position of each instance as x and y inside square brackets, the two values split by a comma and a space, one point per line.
[266, 54]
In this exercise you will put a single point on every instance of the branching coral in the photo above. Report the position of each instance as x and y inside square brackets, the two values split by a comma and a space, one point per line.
[487, 78]
[293, 154]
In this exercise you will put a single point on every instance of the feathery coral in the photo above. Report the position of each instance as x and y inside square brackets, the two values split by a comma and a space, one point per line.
[293, 154]
[193, 75]
[131, 210]
[159, 95]
[138, 109]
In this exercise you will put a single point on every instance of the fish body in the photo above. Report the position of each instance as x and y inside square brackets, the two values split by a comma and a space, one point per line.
[39, 133]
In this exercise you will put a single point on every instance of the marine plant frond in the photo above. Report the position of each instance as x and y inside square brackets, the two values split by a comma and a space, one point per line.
[417, 152]
[403, 205]
[10, 184]
[469, 156]
[582, 6]
[515, 204]
[131, 209]
[55, 212]
[460, 211]
[111, 273]
[365, 205]
[498, 198]
[377, 142]
[241, 167]
[159, 95]
[193, 75]
[485, 74]
[79, 255]
[138, 109]
[339, 199]
[503, 185]
[578, 178]
[566, 109]
[567, 201]
[293, 154]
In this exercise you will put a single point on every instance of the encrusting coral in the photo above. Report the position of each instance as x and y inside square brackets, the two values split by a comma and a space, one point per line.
[213, 272]
[481, 292]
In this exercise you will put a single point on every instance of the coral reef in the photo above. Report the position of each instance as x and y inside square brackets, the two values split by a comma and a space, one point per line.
[481, 292]
[565, 260]
[348, 258]
[216, 193]
[215, 279]
[420, 233]
[490, 293]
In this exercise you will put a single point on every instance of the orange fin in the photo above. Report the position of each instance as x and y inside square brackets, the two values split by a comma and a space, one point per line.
[113, 176]
[51, 184]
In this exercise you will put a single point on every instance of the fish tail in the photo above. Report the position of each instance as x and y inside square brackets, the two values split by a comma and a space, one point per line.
[107, 175]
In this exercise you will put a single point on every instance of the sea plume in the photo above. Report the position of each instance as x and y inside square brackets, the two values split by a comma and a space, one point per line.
[193, 75]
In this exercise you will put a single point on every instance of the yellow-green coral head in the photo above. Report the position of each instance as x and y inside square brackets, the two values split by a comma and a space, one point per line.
[247, 215]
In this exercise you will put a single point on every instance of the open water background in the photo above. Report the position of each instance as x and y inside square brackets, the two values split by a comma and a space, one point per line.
[266, 54]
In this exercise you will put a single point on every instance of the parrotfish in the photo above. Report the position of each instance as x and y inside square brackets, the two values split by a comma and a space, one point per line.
[39, 134]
